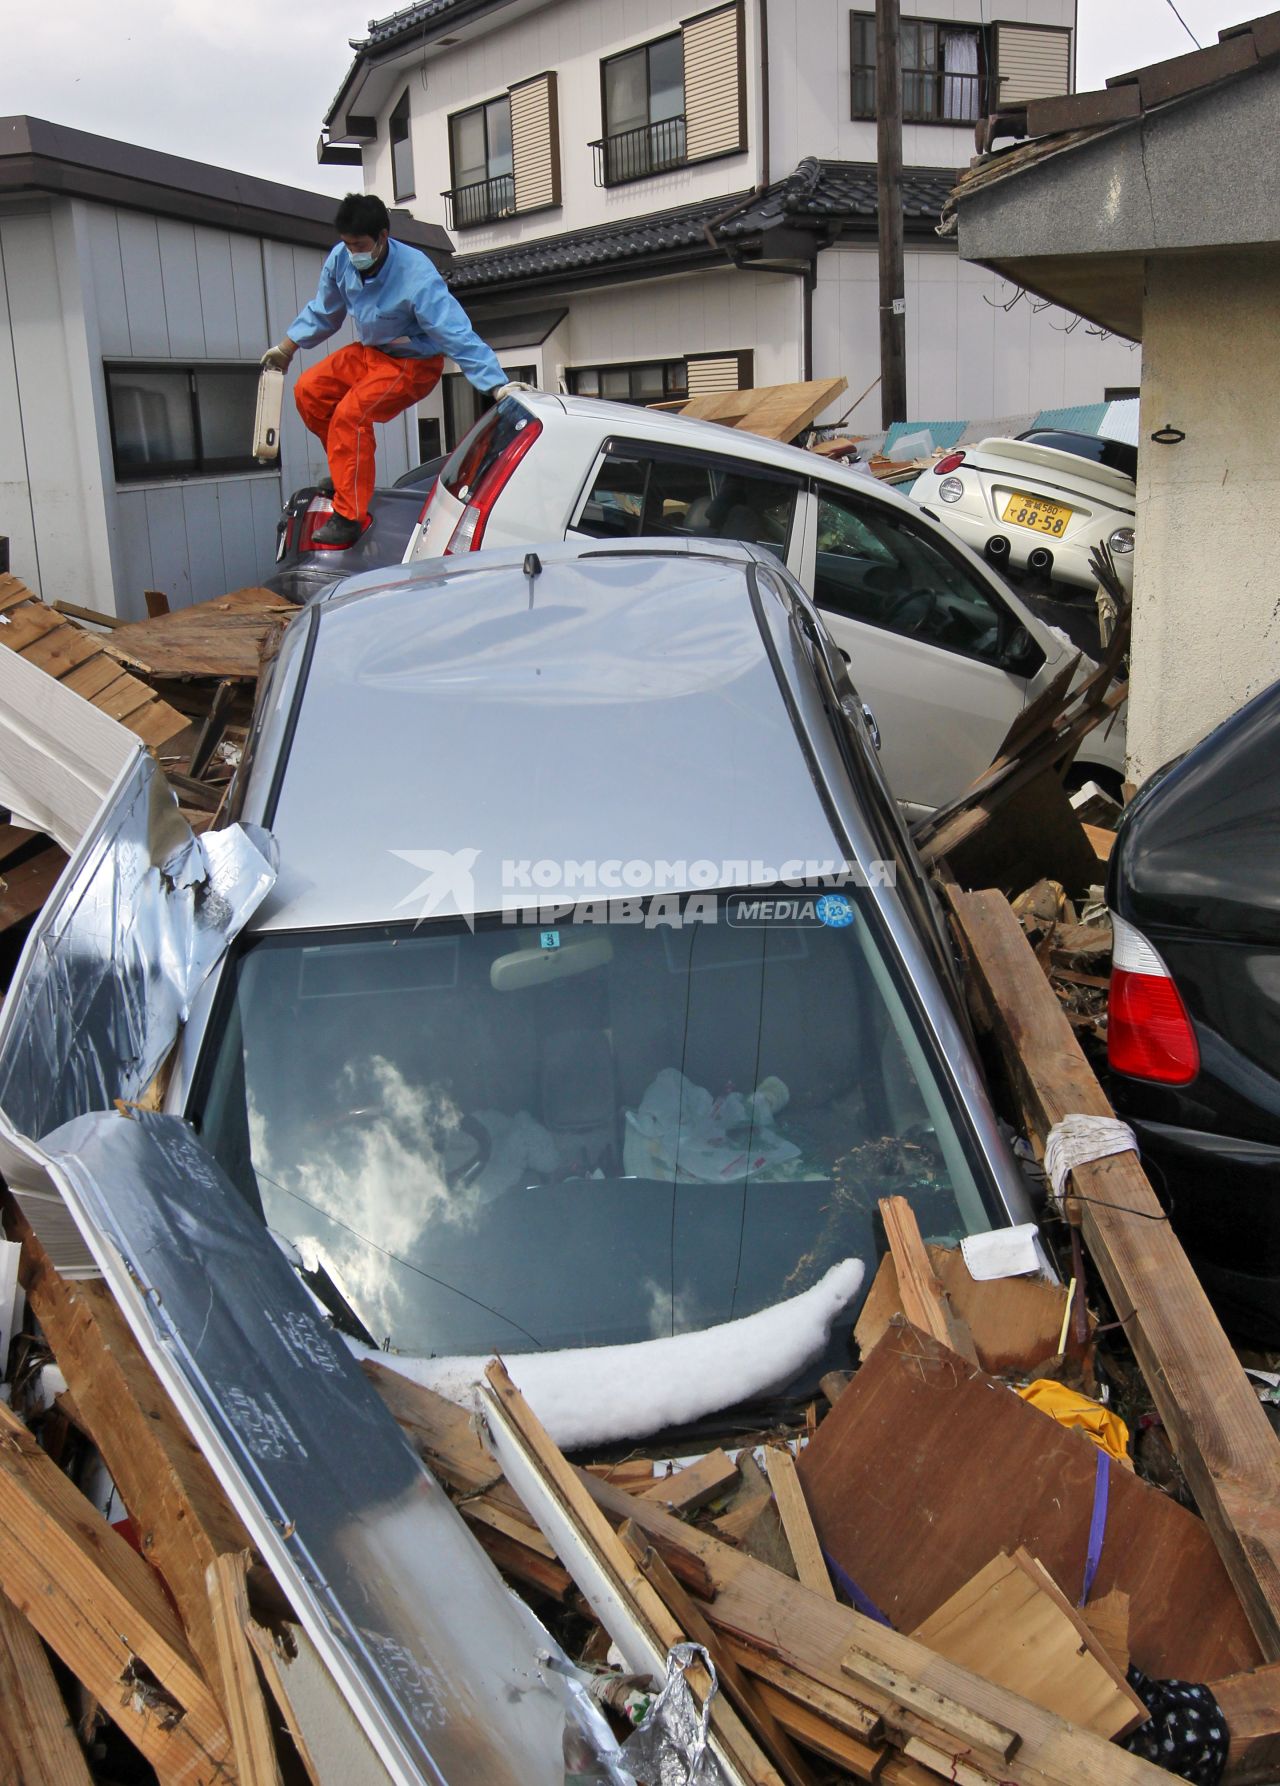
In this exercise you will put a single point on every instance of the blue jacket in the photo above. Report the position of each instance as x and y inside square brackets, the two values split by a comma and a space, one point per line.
[406, 310]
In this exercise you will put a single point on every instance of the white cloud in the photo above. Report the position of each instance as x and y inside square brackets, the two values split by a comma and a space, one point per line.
[1115, 38]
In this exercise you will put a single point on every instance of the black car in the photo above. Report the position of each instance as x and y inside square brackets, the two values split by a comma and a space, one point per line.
[304, 569]
[1194, 1031]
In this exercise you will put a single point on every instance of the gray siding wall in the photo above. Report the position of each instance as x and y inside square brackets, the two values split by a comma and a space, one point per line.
[84, 283]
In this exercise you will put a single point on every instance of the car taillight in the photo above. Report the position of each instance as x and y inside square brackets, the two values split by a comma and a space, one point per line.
[948, 462]
[1149, 1034]
[318, 511]
[469, 532]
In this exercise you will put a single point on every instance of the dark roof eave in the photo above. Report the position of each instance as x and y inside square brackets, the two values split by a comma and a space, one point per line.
[372, 50]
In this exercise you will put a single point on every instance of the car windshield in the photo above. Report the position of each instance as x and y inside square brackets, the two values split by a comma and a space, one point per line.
[594, 1133]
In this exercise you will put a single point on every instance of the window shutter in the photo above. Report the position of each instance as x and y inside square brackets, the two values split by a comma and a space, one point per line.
[709, 373]
[715, 100]
[1031, 64]
[535, 143]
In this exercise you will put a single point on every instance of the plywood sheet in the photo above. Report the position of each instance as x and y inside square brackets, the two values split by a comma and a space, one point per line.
[1015, 1321]
[926, 1468]
[777, 411]
[222, 638]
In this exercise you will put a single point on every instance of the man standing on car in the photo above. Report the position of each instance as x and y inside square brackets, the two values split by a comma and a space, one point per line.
[406, 320]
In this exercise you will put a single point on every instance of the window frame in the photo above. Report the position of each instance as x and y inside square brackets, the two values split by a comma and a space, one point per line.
[492, 213]
[401, 113]
[1008, 621]
[608, 136]
[860, 66]
[671, 391]
[167, 471]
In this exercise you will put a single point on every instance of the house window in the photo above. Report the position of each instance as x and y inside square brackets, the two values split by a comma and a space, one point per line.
[401, 149]
[484, 181]
[941, 71]
[650, 381]
[180, 421]
[643, 105]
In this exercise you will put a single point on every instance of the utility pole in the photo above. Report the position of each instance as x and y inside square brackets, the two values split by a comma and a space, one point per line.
[893, 320]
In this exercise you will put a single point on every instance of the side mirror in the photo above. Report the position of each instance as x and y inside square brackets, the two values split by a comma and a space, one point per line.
[1021, 654]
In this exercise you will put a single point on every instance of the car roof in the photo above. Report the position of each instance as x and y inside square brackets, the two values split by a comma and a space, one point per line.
[670, 429]
[620, 705]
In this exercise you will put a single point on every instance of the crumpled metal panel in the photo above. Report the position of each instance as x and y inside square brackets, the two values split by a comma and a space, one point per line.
[673, 1745]
[145, 909]
[448, 1671]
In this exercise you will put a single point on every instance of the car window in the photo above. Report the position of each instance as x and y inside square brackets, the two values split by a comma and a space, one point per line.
[688, 498]
[880, 566]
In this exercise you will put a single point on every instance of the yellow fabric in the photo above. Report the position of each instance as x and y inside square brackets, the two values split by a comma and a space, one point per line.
[1106, 1429]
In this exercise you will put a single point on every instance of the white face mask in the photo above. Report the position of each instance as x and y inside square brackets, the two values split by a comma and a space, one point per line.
[362, 262]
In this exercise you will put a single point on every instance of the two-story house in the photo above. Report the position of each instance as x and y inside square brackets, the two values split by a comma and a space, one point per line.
[645, 204]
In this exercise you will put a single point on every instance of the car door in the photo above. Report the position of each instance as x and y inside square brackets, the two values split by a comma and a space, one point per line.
[637, 489]
[925, 639]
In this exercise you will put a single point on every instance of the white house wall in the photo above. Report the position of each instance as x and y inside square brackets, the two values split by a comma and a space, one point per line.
[968, 357]
[571, 37]
[810, 79]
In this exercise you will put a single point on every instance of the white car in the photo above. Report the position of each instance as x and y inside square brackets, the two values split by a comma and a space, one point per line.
[938, 646]
[1039, 504]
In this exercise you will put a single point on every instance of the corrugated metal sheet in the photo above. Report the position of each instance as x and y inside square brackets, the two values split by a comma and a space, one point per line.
[942, 434]
[1077, 418]
[713, 84]
[534, 145]
[1032, 62]
[720, 373]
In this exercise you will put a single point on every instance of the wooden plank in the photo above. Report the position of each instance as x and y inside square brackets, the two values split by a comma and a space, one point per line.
[61, 649]
[123, 696]
[38, 1744]
[1107, 1616]
[241, 1690]
[952, 1715]
[90, 678]
[745, 1695]
[1014, 1321]
[592, 1531]
[101, 1608]
[1220, 1433]
[273, 1664]
[27, 623]
[1011, 1625]
[94, 616]
[12, 839]
[1101, 841]
[778, 412]
[184, 1520]
[811, 1634]
[155, 722]
[808, 1726]
[839, 1709]
[926, 1467]
[793, 1510]
[13, 591]
[222, 638]
[924, 1301]
[695, 1485]
[1251, 1705]
[26, 886]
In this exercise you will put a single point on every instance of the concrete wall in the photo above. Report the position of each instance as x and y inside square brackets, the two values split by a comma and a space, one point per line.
[1206, 617]
[84, 284]
[967, 357]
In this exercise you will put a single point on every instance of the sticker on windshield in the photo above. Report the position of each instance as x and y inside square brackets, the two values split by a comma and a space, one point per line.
[550, 939]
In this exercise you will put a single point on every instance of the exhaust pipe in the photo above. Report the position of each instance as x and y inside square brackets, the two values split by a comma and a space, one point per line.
[1040, 561]
[997, 549]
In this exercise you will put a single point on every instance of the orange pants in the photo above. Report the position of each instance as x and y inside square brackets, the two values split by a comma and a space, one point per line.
[342, 397]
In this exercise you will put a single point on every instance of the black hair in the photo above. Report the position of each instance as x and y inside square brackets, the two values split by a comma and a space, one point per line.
[361, 214]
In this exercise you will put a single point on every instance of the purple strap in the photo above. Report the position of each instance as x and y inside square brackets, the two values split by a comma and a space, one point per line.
[860, 1602]
[1097, 1522]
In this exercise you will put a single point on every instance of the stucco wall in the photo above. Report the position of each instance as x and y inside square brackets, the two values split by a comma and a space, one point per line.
[1206, 619]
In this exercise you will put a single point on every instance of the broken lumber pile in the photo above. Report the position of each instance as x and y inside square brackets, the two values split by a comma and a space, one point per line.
[778, 412]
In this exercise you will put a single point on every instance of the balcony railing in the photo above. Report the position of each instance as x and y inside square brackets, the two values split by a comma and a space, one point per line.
[481, 202]
[933, 97]
[634, 154]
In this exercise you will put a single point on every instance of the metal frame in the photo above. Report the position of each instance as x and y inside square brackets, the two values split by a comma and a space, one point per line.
[602, 144]
[859, 65]
[492, 213]
[176, 468]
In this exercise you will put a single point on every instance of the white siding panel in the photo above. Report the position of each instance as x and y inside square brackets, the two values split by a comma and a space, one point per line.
[267, 500]
[106, 276]
[143, 286]
[249, 288]
[206, 572]
[1032, 63]
[170, 555]
[242, 567]
[714, 75]
[131, 553]
[217, 294]
[536, 152]
[180, 282]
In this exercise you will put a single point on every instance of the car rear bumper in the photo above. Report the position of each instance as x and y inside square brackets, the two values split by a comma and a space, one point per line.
[1070, 557]
[1224, 1198]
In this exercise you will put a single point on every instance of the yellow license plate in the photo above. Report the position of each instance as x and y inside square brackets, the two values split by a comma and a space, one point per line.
[1034, 512]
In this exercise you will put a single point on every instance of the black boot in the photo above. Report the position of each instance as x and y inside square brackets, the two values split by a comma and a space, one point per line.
[338, 531]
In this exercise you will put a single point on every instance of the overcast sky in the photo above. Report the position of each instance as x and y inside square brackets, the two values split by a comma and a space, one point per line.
[245, 83]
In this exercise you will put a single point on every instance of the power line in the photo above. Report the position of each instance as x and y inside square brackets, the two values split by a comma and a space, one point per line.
[1190, 33]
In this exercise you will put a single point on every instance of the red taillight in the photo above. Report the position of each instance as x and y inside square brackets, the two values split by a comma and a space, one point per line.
[469, 532]
[1149, 1034]
[949, 462]
[318, 511]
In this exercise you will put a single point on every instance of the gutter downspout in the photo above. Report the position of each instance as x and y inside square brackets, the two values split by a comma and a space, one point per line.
[764, 92]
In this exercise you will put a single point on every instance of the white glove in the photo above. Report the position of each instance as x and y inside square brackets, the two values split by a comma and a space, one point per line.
[509, 390]
[276, 359]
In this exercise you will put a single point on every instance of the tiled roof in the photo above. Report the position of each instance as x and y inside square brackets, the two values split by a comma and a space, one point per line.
[410, 18]
[817, 192]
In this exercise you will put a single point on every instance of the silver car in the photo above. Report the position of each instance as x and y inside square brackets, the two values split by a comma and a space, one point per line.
[599, 996]
[944, 651]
